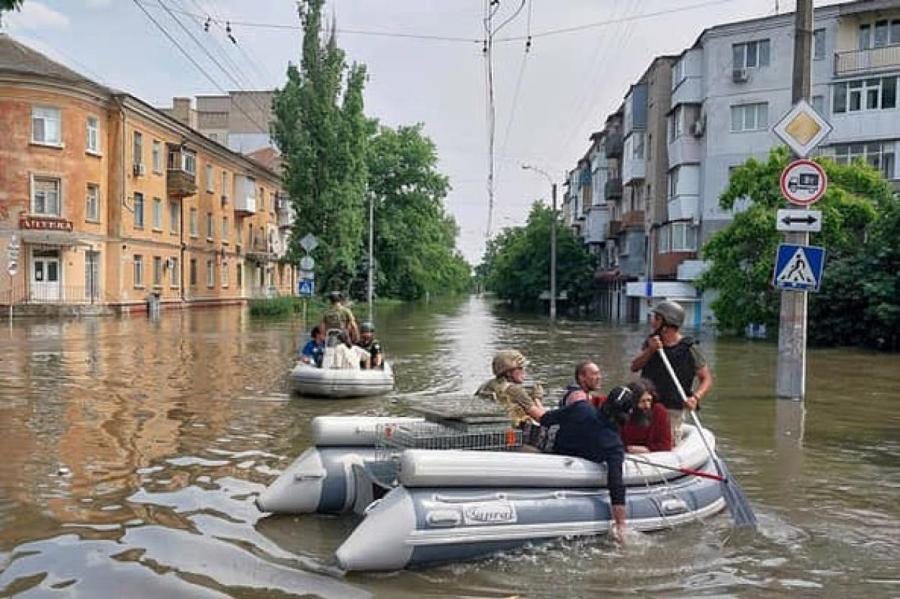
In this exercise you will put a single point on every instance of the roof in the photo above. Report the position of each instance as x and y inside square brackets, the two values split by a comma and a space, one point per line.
[19, 58]
[267, 157]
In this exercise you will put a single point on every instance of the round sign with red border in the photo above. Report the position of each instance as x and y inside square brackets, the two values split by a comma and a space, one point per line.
[803, 182]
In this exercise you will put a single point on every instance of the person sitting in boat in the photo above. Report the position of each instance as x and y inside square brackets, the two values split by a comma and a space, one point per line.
[368, 342]
[339, 317]
[585, 431]
[685, 358]
[648, 428]
[315, 348]
[507, 388]
[348, 356]
[586, 387]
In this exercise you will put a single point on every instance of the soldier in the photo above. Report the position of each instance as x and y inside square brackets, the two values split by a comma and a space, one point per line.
[368, 342]
[507, 389]
[338, 316]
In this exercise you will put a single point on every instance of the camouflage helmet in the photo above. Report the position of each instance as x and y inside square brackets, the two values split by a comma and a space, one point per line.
[506, 360]
[367, 327]
[671, 313]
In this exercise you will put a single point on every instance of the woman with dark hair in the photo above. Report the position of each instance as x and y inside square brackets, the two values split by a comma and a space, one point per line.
[648, 428]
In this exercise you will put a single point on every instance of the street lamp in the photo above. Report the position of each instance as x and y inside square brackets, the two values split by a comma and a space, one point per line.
[528, 167]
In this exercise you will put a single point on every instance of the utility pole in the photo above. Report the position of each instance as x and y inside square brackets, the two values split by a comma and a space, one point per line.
[790, 382]
[552, 238]
[371, 235]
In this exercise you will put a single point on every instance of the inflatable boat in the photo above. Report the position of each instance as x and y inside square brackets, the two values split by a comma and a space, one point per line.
[311, 381]
[422, 506]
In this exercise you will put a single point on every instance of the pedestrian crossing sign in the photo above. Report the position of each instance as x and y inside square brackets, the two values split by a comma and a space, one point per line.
[799, 267]
[306, 287]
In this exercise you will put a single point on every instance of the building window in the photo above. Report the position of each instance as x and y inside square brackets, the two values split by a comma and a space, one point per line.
[678, 73]
[92, 142]
[238, 230]
[176, 272]
[157, 214]
[878, 155]
[750, 54]
[818, 44]
[210, 273]
[637, 151]
[677, 122]
[92, 203]
[193, 272]
[885, 34]
[157, 271]
[239, 272]
[750, 117]
[157, 156]
[684, 237]
[138, 210]
[224, 274]
[209, 226]
[138, 270]
[46, 125]
[224, 184]
[262, 199]
[224, 229]
[193, 222]
[865, 94]
[174, 217]
[209, 178]
[45, 196]
[137, 148]
[818, 104]
[189, 162]
[673, 182]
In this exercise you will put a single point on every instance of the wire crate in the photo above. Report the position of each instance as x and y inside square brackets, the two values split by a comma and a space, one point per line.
[391, 439]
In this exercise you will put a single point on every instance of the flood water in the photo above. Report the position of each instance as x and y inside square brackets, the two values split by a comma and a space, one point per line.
[131, 452]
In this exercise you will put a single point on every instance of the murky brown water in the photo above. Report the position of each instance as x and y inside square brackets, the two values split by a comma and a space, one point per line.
[132, 451]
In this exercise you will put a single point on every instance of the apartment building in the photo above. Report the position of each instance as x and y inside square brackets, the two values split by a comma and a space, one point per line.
[726, 93]
[115, 202]
[239, 120]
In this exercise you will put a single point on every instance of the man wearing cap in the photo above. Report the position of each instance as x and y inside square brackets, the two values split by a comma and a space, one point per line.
[507, 388]
[685, 358]
[368, 342]
[338, 316]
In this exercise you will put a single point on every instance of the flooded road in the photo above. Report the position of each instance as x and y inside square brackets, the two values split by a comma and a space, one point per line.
[132, 452]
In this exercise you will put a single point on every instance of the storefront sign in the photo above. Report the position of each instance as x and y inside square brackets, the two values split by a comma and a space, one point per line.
[45, 224]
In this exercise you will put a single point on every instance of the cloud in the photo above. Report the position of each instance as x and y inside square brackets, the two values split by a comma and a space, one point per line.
[35, 15]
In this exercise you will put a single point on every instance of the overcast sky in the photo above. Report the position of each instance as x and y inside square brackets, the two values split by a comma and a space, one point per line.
[567, 83]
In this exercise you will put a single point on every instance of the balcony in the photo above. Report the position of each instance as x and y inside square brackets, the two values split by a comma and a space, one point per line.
[596, 224]
[613, 189]
[685, 149]
[633, 219]
[615, 227]
[285, 212]
[684, 207]
[180, 183]
[873, 60]
[614, 145]
[244, 205]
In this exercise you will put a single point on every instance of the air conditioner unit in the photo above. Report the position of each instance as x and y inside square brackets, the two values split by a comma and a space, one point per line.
[698, 127]
[740, 75]
[139, 170]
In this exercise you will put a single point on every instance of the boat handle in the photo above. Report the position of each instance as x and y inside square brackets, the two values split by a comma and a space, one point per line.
[371, 506]
[301, 476]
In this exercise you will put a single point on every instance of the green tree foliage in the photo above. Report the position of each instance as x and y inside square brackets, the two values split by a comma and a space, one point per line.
[11, 4]
[414, 236]
[858, 301]
[321, 130]
[516, 264]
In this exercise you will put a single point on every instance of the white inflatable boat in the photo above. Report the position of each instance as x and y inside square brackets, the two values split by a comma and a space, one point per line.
[310, 381]
[423, 506]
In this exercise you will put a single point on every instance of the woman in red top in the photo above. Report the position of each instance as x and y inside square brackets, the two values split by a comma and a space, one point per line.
[648, 427]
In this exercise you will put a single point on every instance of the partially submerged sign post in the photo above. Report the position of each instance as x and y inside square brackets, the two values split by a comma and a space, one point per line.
[306, 286]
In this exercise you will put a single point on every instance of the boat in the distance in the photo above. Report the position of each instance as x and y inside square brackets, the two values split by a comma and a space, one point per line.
[310, 381]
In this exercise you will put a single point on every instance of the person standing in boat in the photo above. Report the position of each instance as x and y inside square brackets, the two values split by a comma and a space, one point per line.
[337, 316]
[587, 385]
[686, 359]
[589, 432]
[507, 388]
[647, 428]
[314, 349]
[368, 342]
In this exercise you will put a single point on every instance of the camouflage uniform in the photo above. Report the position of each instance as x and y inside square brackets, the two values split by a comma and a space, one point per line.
[337, 316]
[517, 399]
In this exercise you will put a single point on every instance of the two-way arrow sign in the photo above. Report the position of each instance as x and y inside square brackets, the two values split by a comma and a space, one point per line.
[799, 220]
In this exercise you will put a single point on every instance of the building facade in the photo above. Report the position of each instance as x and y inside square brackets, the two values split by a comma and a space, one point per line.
[115, 203]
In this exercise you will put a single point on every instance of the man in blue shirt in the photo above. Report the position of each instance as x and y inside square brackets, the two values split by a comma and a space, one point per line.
[314, 349]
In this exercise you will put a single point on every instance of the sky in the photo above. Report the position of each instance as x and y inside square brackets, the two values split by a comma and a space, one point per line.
[584, 56]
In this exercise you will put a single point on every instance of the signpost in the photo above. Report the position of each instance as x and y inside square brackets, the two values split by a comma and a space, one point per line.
[799, 220]
[306, 286]
[798, 267]
[12, 268]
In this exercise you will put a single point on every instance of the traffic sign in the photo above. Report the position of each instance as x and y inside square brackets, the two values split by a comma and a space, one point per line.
[307, 263]
[12, 268]
[799, 220]
[309, 242]
[802, 128]
[799, 267]
[803, 182]
[306, 287]
[307, 274]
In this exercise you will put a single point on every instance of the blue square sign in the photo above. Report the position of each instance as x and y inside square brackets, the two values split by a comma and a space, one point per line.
[306, 287]
[799, 267]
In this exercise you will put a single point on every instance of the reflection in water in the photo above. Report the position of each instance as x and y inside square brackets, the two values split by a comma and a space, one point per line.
[133, 451]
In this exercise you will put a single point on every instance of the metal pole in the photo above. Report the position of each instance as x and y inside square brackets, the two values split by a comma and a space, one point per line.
[371, 235]
[790, 381]
[553, 256]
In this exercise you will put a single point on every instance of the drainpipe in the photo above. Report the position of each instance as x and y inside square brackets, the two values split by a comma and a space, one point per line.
[118, 100]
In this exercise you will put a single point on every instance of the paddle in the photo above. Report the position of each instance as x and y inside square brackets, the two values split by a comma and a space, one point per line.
[692, 472]
[737, 502]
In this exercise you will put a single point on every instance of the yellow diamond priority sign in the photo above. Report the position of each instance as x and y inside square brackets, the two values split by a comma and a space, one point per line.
[802, 129]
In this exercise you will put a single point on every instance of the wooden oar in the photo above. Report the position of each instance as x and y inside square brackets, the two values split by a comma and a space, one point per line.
[735, 499]
[639, 460]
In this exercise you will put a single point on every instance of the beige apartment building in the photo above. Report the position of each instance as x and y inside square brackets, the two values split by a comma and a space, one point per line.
[113, 202]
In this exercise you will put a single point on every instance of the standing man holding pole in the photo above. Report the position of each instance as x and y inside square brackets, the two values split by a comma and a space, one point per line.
[552, 238]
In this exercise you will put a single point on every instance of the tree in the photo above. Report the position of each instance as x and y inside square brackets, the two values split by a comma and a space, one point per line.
[321, 130]
[517, 262]
[856, 214]
[415, 237]
[11, 5]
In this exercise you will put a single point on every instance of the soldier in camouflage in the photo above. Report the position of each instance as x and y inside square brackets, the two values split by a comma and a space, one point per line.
[337, 316]
[508, 390]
